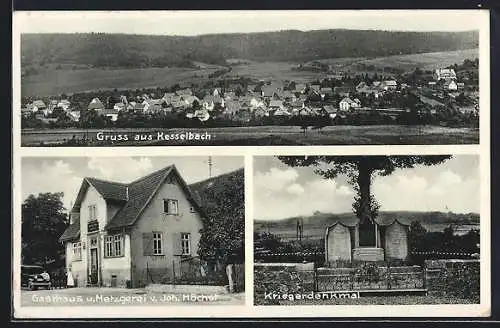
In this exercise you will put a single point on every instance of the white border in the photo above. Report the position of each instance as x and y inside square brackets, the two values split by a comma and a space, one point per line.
[248, 310]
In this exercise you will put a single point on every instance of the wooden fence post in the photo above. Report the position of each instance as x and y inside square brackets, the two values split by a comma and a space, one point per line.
[229, 273]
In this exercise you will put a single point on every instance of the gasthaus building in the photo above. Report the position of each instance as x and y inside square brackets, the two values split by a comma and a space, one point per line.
[121, 233]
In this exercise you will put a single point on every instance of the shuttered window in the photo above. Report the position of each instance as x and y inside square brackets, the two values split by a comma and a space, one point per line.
[157, 243]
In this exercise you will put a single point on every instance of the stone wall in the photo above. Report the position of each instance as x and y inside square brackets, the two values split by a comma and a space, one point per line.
[453, 278]
[283, 278]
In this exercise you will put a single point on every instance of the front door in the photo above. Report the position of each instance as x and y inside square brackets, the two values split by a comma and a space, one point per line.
[94, 266]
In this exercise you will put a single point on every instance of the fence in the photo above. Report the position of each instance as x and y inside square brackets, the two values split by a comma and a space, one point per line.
[195, 272]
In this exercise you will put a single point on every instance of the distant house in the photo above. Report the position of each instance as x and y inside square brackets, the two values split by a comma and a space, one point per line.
[276, 104]
[189, 100]
[444, 74]
[460, 85]
[112, 114]
[330, 111]
[26, 112]
[326, 91]
[64, 104]
[184, 92]
[74, 115]
[38, 105]
[347, 104]
[209, 102]
[300, 88]
[282, 112]
[201, 114]
[119, 106]
[260, 112]
[232, 107]
[389, 85]
[95, 104]
[315, 87]
[450, 85]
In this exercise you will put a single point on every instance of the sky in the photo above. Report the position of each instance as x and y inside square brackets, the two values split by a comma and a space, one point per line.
[210, 22]
[281, 191]
[65, 174]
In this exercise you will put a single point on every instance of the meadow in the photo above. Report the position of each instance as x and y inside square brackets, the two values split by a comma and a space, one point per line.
[52, 81]
[271, 135]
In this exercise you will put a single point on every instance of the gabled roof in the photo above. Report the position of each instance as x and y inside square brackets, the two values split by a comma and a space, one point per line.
[109, 190]
[141, 192]
[39, 103]
[276, 103]
[72, 232]
[95, 104]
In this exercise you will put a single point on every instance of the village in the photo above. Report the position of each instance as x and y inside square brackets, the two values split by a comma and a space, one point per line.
[447, 95]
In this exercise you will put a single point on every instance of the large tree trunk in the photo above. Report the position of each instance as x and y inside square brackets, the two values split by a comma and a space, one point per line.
[364, 185]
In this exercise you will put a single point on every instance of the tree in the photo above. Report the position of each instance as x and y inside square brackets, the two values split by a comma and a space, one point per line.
[222, 236]
[416, 235]
[361, 170]
[43, 222]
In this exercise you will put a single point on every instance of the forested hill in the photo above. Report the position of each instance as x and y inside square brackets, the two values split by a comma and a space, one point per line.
[120, 50]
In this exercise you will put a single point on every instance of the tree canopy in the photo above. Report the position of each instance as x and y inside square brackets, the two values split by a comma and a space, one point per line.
[43, 222]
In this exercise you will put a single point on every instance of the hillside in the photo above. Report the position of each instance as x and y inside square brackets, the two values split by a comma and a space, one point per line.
[315, 225]
[137, 51]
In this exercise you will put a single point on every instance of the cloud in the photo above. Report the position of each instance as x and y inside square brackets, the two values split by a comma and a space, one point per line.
[57, 177]
[123, 169]
[276, 179]
[295, 189]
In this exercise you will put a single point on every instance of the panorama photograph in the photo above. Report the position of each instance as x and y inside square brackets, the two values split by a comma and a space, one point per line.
[251, 78]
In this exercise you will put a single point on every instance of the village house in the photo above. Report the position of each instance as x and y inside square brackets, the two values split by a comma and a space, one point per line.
[444, 74]
[64, 104]
[388, 85]
[184, 92]
[38, 105]
[347, 104]
[373, 240]
[112, 114]
[330, 111]
[122, 233]
[74, 115]
[450, 85]
[119, 106]
[300, 87]
[95, 104]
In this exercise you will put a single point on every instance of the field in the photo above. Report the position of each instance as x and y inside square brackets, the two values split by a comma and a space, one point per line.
[424, 61]
[270, 135]
[53, 82]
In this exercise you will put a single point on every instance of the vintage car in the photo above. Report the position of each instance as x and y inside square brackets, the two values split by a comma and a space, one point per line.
[32, 277]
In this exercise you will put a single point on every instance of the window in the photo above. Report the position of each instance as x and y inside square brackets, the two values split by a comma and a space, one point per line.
[186, 243]
[157, 243]
[113, 246]
[171, 206]
[191, 209]
[77, 251]
[92, 212]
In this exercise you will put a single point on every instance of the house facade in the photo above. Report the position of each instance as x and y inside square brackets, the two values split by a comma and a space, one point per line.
[123, 234]
[382, 240]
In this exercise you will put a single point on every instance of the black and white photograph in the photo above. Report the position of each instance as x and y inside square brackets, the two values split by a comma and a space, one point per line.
[367, 230]
[250, 78]
[132, 231]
